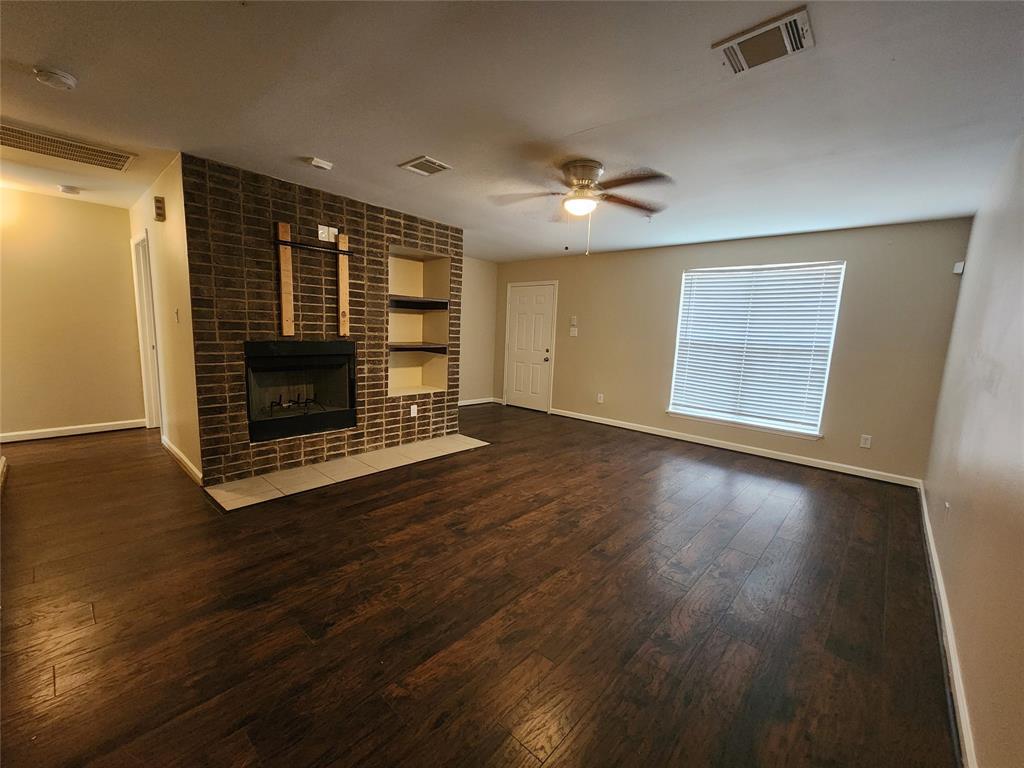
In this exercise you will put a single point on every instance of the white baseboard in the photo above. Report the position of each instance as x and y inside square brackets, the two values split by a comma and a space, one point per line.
[963, 717]
[180, 457]
[77, 429]
[479, 400]
[834, 466]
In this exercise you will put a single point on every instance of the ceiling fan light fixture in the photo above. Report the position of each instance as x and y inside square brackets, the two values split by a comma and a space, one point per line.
[579, 203]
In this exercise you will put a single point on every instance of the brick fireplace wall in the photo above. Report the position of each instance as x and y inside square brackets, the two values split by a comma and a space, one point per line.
[230, 215]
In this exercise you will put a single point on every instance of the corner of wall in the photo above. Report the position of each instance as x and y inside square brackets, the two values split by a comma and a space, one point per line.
[973, 493]
[173, 309]
[479, 300]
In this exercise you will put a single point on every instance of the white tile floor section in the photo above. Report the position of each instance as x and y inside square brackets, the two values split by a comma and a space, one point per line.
[252, 490]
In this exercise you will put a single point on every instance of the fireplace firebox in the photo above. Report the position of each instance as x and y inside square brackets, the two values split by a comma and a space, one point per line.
[299, 387]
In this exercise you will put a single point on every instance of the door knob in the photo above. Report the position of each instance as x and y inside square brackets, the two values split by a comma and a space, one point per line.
[546, 359]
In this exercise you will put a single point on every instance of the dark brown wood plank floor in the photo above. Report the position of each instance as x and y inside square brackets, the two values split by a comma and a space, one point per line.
[571, 595]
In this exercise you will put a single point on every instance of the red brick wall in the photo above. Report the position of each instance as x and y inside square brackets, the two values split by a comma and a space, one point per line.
[230, 216]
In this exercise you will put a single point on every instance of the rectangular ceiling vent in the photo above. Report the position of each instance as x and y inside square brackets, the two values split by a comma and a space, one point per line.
[772, 39]
[64, 148]
[425, 166]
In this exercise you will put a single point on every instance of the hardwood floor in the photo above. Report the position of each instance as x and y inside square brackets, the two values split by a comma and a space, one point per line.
[572, 595]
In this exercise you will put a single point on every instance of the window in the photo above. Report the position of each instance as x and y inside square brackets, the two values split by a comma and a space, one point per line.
[754, 344]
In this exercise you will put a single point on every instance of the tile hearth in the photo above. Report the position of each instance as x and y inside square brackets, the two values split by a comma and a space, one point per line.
[253, 490]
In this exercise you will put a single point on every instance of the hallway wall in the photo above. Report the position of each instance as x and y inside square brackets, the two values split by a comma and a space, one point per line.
[69, 346]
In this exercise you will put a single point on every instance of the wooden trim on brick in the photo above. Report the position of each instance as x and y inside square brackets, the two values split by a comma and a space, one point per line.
[284, 263]
[343, 277]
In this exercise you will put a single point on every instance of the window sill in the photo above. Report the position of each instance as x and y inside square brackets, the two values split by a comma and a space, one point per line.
[726, 422]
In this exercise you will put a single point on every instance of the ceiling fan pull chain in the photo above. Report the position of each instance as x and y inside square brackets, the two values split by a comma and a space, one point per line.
[590, 218]
[568, 231]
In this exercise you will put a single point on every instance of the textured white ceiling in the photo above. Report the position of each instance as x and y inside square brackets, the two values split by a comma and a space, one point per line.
[903, 110]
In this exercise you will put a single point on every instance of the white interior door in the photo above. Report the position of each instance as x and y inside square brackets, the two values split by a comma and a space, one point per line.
[147, 334]
[529, 347]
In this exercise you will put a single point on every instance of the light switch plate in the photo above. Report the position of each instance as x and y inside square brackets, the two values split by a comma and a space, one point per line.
[574, 331]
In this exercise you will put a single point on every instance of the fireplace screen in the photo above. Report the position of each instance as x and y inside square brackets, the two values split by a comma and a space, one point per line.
[299, 387]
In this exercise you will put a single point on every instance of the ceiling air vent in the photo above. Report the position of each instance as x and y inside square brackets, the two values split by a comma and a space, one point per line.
[772, 39]
[64, 147]
[425, 166]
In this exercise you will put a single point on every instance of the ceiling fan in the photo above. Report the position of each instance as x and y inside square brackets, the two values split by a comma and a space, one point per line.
[582, 177]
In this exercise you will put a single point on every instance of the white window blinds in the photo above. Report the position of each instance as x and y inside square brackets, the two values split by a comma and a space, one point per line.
[754, 344]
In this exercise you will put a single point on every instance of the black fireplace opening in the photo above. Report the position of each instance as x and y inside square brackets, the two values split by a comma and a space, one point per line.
[299, 387]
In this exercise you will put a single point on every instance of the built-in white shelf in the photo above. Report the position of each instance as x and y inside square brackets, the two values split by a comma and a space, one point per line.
[417, 303]
[434, 347]
[420, 389]
[418, 288]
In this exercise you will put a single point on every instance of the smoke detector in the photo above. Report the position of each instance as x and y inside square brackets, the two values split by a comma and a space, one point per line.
[425, 166]
[773, 39]
[55, 78]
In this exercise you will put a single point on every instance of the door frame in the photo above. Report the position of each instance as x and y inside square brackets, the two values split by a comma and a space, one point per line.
[145, 314]
[508, 329]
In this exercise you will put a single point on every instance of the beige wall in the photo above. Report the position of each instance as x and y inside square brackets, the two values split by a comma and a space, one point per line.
[173, 308]
[69, 345]
[476, 370]
[894, 323]
[977, 466]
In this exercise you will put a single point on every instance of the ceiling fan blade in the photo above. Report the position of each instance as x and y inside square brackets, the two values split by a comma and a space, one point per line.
[520, 197]
[647, 208]
[635, 177]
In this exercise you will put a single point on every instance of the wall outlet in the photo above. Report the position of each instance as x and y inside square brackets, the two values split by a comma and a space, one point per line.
[600, 397]
[574, 331]
[324, 232]
[413, 409]
[865, 441]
